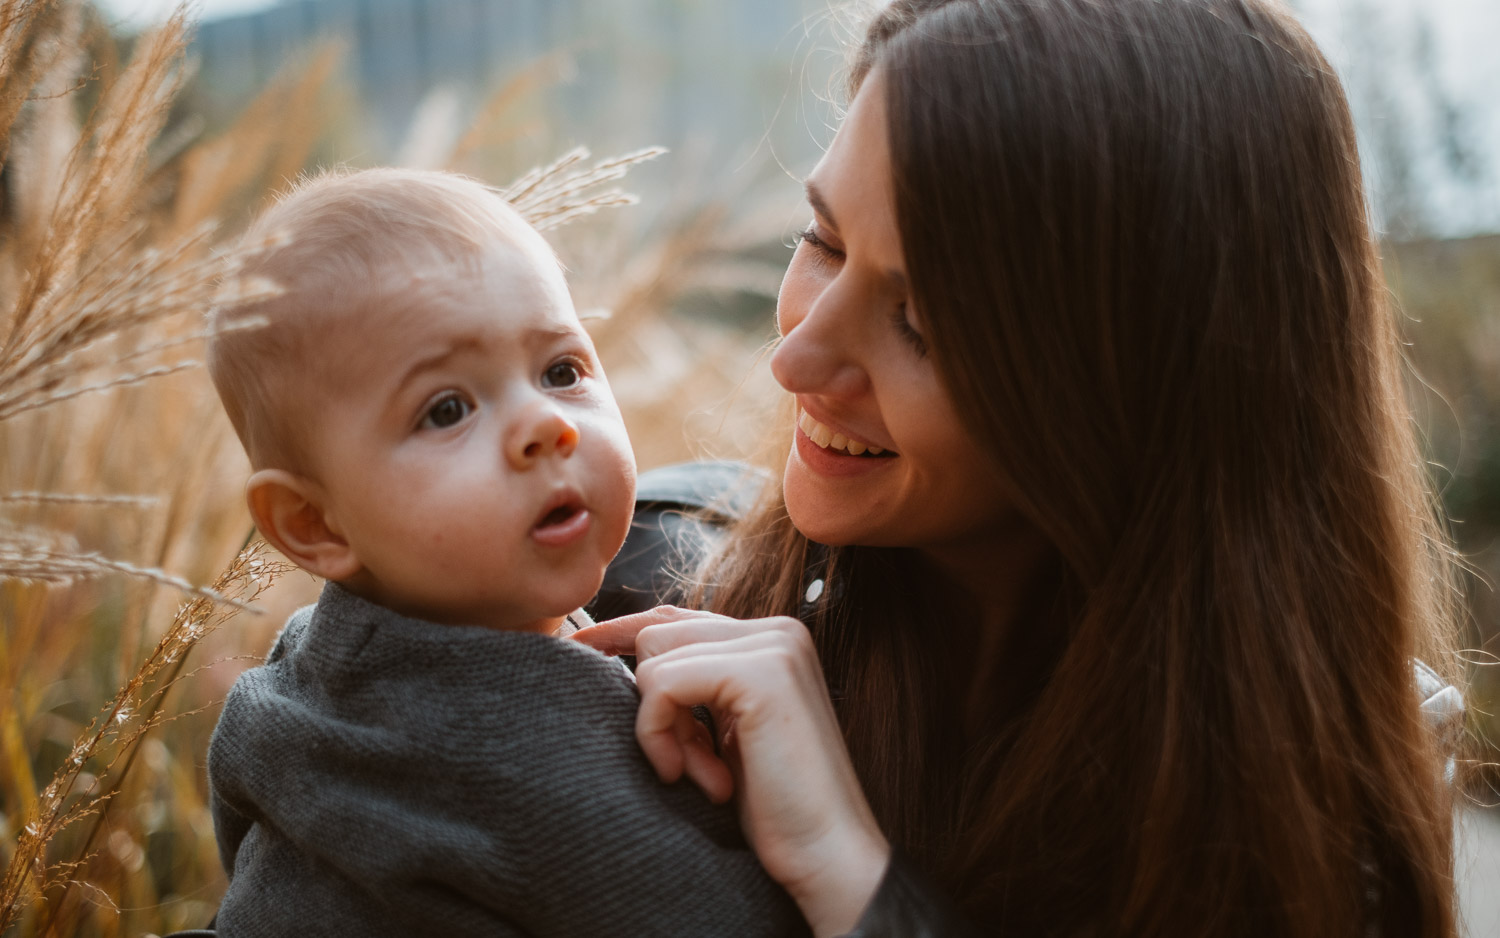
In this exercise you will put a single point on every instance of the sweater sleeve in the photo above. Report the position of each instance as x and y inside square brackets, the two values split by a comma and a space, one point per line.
[615, 851]
[423, 779]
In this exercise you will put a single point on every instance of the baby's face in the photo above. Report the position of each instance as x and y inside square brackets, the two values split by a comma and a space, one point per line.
[469, 448]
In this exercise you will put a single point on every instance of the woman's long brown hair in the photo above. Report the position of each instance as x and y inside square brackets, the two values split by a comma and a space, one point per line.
[1137, 236]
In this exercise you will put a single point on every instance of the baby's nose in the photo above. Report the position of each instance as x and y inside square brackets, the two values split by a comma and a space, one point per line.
[538, 433]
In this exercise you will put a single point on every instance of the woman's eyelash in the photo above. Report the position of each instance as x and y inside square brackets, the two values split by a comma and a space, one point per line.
[905, 329]
[810, 235]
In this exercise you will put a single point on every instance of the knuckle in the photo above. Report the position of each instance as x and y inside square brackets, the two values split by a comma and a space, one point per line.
[795, 634]
[782, 657]
[648, 642]
[787, 624]
[645, 672]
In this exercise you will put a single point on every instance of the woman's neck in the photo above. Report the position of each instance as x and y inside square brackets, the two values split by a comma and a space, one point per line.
[994, 573]
[1010, 641]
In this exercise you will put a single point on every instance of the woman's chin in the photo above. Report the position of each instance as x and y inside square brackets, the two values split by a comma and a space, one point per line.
[820, 515]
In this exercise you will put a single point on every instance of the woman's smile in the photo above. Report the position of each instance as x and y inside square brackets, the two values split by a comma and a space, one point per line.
[835, 441]
[830, 450]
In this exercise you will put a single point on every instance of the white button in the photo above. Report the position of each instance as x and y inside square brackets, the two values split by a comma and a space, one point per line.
[814, 590]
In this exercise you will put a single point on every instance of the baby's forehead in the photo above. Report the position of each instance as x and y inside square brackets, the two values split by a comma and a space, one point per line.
[506, 284]
[502, 297]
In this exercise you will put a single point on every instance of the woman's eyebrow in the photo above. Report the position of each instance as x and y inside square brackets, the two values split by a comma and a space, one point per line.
[818, 203]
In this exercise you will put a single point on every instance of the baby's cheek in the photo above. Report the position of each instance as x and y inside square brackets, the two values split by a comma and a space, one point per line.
[469, 533]
[620, 484]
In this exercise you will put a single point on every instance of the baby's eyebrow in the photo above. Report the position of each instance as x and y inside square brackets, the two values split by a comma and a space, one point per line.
[541, 336]
[536, 337]
[435, 360]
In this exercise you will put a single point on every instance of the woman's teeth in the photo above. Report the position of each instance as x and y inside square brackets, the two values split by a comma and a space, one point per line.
[828, 439]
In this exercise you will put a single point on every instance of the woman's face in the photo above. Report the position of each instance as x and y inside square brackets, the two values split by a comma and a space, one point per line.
[880, 457]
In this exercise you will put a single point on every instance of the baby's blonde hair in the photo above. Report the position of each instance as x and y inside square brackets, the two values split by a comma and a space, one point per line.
[336, 241]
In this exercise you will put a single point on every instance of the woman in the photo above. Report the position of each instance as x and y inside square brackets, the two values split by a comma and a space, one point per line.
[1100, 417]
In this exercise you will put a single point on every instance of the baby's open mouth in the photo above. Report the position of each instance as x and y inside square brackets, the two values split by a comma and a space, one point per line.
[559, 515]
[563, 520]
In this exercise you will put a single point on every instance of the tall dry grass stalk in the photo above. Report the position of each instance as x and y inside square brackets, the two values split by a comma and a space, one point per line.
[120, 483]
[109, 257]
[110, 740]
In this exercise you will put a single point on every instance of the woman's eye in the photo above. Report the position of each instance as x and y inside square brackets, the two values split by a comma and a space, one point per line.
[446, 412]
[809, 236]
[561, 375]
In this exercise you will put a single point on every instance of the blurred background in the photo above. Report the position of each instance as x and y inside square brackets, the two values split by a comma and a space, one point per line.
[744, 96]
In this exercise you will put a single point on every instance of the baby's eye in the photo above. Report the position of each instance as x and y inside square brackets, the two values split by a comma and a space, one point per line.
[563, 374]
[446, 411]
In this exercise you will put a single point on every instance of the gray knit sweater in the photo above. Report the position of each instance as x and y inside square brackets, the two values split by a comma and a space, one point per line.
[385, 776]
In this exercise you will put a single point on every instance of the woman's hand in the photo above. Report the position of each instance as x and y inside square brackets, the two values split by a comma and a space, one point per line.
[800, 804]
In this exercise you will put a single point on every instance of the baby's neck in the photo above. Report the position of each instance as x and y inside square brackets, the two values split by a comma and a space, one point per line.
[565, 627]
[551, 625]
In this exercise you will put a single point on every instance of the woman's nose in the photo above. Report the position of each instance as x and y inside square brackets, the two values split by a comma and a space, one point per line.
[539, 431]
[817, 354]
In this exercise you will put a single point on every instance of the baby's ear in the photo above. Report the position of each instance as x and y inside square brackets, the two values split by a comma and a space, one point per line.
[289, 512]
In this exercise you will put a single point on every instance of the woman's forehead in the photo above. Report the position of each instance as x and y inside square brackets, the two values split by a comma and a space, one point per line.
[857, 167]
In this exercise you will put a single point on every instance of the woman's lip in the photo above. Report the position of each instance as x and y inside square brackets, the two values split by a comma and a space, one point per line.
[564, 532]
[836, 463]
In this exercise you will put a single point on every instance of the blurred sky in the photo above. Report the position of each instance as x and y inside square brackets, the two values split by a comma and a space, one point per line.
[1429, 117]
[1400, 94]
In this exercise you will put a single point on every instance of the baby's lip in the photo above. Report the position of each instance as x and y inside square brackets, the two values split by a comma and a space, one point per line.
[563, 505]
[564, 521]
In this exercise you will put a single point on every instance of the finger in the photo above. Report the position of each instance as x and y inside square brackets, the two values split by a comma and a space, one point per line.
[754, 671]
[654, 640]
[794, 646]
[617, 636]
[687, 728]
[663, 703]
[666, 753]
[669, 688]
[700, 763]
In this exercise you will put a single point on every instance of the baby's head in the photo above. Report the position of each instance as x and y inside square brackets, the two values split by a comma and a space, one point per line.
[427, 421]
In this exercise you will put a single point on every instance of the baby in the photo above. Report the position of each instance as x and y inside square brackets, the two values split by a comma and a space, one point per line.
[430, 431]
